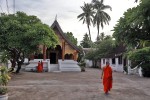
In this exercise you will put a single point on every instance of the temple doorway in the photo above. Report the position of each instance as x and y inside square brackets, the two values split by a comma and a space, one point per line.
[54, 54]
[53, 58]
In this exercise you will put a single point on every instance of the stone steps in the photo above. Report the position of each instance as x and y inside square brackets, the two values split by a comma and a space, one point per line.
[34, 63]
[69, 65]
[54, 67]
[66, 65]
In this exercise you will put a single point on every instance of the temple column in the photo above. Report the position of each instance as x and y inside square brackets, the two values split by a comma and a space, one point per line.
[117, 63]
[75, 55]
[32, 57]
[63, 49]
[44, 52]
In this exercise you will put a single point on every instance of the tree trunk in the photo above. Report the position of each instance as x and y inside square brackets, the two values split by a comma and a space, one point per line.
[92, 63]
[19, 67]
[20, 60]
[13, 54]
[97, 31]
[95, 66]
[13, 64]
[16, 57]
[89, 32]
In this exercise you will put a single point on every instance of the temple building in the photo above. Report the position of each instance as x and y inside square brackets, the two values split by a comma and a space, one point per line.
[61, 58]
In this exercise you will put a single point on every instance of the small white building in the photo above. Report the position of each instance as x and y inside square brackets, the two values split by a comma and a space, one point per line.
[116, 63]
[116, 60]
[87, 61]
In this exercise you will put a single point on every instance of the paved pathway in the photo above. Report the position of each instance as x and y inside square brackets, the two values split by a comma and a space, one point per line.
[76, 86]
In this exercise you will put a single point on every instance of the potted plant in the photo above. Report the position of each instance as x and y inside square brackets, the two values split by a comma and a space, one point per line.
[82, 65]
[125, 68]
[4, 78]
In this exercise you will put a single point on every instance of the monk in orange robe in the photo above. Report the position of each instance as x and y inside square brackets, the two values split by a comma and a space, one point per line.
[39, 67]
[107, 78]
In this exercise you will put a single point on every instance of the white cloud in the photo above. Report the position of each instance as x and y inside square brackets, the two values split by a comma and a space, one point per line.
[67, 12]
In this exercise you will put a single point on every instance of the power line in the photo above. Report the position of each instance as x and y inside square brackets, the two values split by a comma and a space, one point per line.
[7, 6]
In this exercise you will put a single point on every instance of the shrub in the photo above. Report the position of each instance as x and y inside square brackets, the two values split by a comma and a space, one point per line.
[146, 69]
[82, 65]
[125, 68]
[3, 90]
[4, 78]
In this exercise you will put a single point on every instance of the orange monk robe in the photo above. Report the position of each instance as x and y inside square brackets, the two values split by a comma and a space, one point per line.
[42, 65]
[107, 78]
[39, 68]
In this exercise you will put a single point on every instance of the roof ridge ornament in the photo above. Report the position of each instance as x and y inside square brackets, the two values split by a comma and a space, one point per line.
[56, 17]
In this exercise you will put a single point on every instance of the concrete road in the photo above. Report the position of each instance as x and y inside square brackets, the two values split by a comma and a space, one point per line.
[76, 86]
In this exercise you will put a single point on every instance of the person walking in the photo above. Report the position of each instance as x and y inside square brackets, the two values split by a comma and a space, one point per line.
[107, 77]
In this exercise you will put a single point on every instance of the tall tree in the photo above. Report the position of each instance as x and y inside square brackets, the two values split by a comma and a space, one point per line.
[134, 27]
[101, 37]
[101, 17]
[87, 16]
[71, 38]
[21, 35]
[85, 43]
[104, 48]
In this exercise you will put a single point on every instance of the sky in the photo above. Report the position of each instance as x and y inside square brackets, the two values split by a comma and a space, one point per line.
[67, 12]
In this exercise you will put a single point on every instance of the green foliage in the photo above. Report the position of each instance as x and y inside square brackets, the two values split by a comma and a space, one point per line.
[24, 33]
[100, 17]
[4, 78]
[87, 16]
[82, 65]
[133, 30]
[80, 55]
[4, 56]
[140, 54]
[71, 38]
[3, 90]
[104, 48]
[146, 69]
[91, 55]
[102, 37]
[133, 27]
[94, 13]
[85, 43]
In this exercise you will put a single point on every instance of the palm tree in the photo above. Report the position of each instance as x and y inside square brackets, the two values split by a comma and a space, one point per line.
[101, 17]
[102, 36]
[87, 16]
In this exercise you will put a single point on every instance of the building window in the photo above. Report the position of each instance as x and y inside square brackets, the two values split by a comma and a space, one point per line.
[113, 61]
[103, 61]
[120, 59]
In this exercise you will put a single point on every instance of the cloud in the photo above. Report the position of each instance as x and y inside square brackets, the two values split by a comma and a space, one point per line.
[67, 12]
